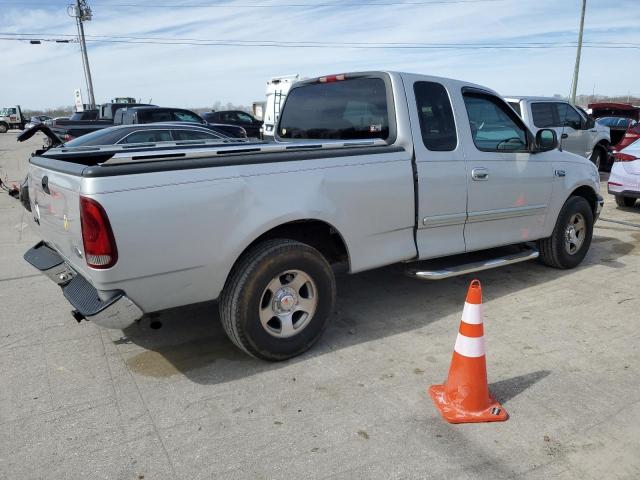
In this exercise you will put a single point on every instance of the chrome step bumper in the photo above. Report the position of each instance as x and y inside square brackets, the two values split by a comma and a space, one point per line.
[117, 311]
[442, 272]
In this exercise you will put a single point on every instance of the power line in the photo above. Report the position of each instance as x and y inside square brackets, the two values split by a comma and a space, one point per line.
[322, 44]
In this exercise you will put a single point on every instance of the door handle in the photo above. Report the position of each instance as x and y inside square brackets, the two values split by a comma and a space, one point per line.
[480, 174]
[564, 135]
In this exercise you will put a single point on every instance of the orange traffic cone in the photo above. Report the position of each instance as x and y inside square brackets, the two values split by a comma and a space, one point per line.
[465, 397]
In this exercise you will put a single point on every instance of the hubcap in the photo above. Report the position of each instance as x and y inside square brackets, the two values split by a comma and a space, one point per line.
[288, 303]
[574, 233]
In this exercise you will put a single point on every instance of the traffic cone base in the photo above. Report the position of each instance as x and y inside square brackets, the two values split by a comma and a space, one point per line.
[456, 414]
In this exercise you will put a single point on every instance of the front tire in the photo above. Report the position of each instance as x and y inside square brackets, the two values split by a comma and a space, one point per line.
[625, 201]
[571, 237]
[278, 299]
[4, 128]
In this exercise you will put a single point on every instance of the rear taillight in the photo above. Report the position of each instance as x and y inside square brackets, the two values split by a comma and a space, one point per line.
[97, 237]
[632, 135]
[68, 138]
[624, 157]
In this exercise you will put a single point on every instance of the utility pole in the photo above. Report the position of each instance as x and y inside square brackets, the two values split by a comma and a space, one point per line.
[82, 13]
[576, 70]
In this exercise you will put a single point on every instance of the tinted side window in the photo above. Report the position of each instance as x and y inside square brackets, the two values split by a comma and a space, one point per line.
[340, 110]
[436, 117]
[184, 116]
[544, 114]
[154, 116]
[516, 107]
[494, 127]
[148, 136]
[244, 118]
[568, 116]
[193, 135]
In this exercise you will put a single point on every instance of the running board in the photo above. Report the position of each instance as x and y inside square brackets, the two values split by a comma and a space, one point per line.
[449, 271]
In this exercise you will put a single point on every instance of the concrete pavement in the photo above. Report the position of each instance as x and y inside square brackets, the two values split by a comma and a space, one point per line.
[181, 402]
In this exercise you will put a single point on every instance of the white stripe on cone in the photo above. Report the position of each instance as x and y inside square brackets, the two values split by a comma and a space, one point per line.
[472, 313]
[469, 346]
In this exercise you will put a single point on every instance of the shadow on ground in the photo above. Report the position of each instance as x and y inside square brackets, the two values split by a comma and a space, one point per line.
[370, 306]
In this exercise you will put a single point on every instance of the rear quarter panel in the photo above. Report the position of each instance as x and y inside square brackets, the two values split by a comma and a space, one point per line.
[179, 232]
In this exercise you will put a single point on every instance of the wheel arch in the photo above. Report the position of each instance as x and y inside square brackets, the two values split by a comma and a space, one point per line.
[589, 194]
[319, 234]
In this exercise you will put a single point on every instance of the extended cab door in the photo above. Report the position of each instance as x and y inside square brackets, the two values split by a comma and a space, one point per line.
[509, 188]
[440, 169]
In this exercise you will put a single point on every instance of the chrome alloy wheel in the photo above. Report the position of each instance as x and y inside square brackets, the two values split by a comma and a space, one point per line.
[574, 233]
[288, 303]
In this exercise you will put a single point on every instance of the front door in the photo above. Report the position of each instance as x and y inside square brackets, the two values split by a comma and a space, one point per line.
[509, 188]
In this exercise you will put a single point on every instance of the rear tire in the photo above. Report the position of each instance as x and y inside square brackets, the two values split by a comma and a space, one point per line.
[571, 237]
[625, 201]
[599, 158]
[278, 299]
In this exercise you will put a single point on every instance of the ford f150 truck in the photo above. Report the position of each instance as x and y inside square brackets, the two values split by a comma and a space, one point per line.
[578, 132]
[369, 169]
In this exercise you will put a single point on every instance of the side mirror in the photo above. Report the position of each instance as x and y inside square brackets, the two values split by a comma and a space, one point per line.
[590, 123]
[546, 140]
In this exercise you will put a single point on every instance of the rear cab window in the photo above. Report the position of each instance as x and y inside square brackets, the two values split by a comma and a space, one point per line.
[337, 108]
[437, 123]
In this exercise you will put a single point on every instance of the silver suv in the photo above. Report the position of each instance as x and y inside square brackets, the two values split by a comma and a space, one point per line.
[577, 132]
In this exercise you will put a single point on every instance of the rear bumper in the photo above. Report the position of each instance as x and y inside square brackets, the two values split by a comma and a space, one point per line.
[625, 193]
[117, 311]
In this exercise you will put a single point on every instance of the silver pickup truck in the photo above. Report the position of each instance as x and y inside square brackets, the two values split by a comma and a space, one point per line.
[368, 169]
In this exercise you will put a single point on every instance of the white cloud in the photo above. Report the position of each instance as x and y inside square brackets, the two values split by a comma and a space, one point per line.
[199, 75]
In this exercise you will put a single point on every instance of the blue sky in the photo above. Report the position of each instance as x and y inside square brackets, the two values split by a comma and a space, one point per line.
[186, 75]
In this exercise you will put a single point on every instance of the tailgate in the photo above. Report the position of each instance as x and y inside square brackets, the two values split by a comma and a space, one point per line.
[55, 198]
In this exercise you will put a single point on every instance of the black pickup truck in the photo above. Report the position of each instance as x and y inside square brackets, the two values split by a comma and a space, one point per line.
[69, 128]
[111, 114]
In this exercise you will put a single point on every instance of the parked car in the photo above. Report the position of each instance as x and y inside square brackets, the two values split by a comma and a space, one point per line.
[138, 115]
[578, 133]
[35, 120]
[369, 169]
[236, 117]
[624, 131]
[613, 109]
[624, 181]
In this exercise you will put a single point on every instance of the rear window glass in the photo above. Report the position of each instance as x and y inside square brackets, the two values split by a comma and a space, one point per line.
[341, 110]
[99, 137]
[436, 117]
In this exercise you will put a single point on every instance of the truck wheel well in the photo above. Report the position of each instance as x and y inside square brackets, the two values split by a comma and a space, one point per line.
[588, 194]
[315, 233]
[603, 143]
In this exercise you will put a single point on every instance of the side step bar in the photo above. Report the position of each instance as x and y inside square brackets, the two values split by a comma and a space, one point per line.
[477, 266]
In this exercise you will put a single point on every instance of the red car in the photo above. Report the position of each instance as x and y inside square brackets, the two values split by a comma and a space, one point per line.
[620, 137]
